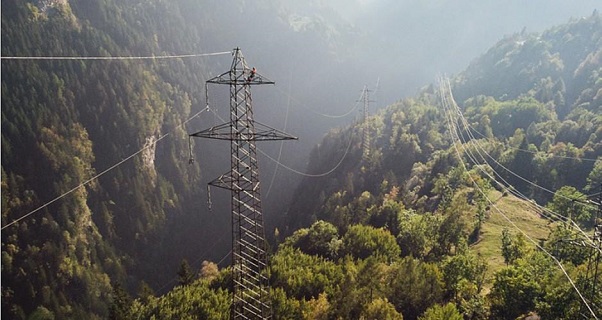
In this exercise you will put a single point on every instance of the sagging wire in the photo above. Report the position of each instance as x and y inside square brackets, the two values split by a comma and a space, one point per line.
[209, 203]
[178, 56]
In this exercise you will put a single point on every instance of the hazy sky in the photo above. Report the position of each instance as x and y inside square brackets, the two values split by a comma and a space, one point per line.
[428, 37]
[534, 14]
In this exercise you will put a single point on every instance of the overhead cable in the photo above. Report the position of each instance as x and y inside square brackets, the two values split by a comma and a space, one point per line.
[326, 115]
[452, 131]
[288, 107]
[159, 57]
[531, 151]
[507, 186]
[459, 112]
[309, 175]
[297, 171]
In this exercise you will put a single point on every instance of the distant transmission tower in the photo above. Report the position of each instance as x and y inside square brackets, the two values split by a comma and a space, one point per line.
[366, 130]
[250, 288]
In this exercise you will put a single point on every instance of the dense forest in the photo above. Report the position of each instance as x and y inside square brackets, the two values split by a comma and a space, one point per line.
[410, 228]
[532, 109]
[63, 122]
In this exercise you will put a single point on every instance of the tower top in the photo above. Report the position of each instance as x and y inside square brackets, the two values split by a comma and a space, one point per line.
[240, 73]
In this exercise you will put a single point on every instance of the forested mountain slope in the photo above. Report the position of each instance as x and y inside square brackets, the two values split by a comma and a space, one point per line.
[536, 92]
[63, 122]
[533, 109]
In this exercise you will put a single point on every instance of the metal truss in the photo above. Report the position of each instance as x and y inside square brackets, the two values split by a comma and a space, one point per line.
[250, 287]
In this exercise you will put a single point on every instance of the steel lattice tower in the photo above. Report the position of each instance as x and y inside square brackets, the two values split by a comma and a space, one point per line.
[366, 129]
[250, 288]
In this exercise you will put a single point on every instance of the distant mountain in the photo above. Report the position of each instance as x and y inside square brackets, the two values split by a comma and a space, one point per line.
[541, 92]
[64, 122]
[564, 59]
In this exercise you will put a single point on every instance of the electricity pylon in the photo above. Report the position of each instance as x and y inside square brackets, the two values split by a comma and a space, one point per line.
[250, 288]
[366, 132]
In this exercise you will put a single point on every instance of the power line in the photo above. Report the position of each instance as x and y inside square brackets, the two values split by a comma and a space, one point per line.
[507, 185]
[291, 98]
[459, 112]
[195, 55]
[105, 58]
[377, 86]
[525, 150]
[594, 194]
[450, 124]
[326, 115]
[532, 240]
[297, 171]
[475, 142]
[288, 107]
[309, 174]
[100, 174]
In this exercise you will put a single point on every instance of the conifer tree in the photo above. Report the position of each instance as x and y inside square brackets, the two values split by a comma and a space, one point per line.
[120, 305]
[185, 275]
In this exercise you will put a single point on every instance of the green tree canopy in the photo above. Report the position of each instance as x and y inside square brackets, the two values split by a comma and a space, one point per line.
[185, 274]
[380, 309]
[414, 286]
[571, 203]
[322, 239]
[362, 241]
[437, 312]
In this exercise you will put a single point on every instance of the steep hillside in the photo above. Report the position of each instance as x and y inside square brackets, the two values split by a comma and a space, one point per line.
[509, 96]
[527, 140]
[63, 122]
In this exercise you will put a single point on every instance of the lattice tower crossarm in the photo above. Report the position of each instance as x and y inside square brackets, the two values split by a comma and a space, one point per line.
[250, 288]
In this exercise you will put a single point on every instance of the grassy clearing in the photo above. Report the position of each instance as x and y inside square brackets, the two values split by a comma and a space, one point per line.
[521, 214]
